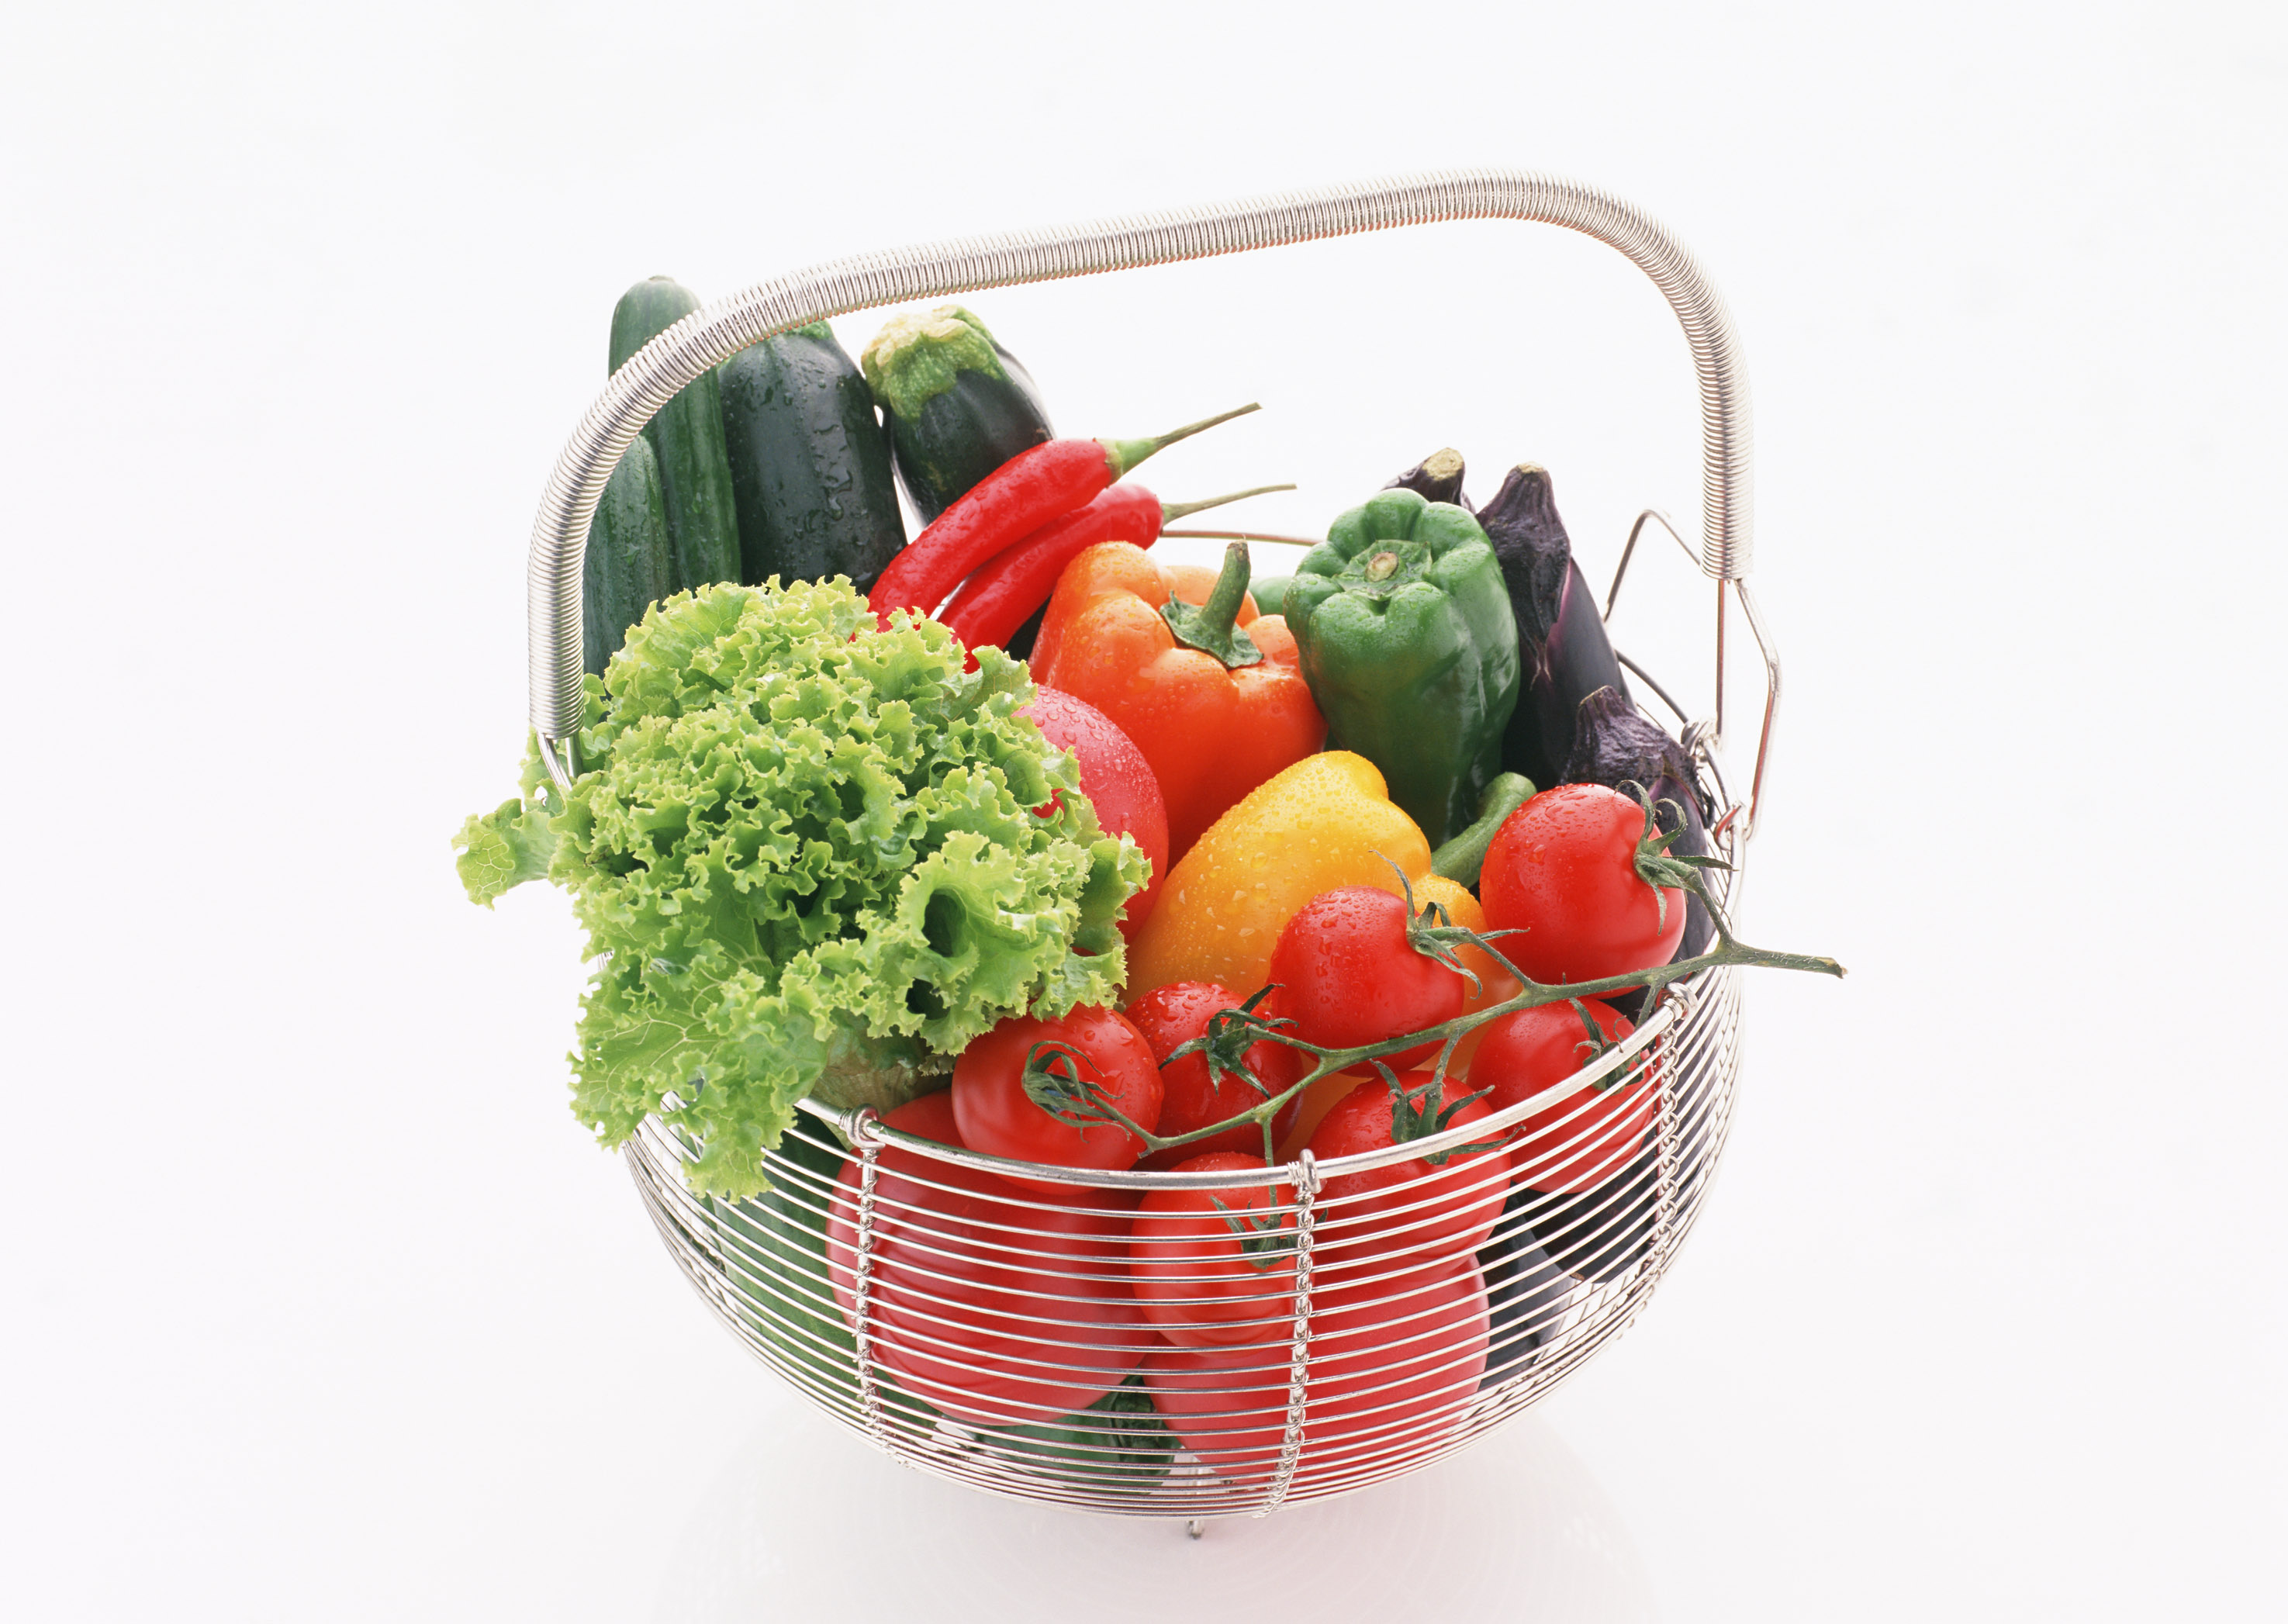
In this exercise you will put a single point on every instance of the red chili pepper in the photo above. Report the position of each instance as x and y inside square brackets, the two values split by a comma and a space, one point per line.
[1037, 485]
[1004, 591]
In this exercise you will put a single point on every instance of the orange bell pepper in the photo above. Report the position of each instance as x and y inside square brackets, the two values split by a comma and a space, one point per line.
[1212, 696]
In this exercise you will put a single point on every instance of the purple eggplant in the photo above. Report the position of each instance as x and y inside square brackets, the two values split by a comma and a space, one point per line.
[1615, 743]
[1436, 478]
[1561, 637]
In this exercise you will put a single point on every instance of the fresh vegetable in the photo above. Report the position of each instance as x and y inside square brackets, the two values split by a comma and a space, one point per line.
[1559, 635]
[1117, 782]
[1580, 870]
[1436, 478]
[997, 1308]
[1045, 483]
[773, 1246]
[1586, 1138]
[808, 468]
[1427, 1210]
[1354, 966]
[1406, 638]
[1118, 1442]
[1216, 1268]
[1323, 822]
[1597, 1234]
[1394, 1361]
[1462, 858]
[1270, 593]
[1176, 676]
[808, 858]
[1614, 744]
[1527, 1293]
[1007, 1084]
[1207, 1086]
[1006, 590]
[630, 563]
[686, 437]
[956, 404]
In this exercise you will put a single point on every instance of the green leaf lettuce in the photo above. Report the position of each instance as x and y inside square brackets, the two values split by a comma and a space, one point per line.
[806, 854]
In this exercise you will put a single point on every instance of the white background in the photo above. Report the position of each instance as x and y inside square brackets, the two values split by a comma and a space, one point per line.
[320, 1305]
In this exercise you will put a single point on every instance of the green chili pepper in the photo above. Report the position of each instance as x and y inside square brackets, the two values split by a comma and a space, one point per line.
[1403, 625]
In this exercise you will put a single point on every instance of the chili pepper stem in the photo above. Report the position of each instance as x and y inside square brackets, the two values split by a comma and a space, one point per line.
[1170, 511]
[1124, 454]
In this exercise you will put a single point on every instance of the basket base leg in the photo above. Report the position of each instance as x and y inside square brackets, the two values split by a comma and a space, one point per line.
[1198, 1526]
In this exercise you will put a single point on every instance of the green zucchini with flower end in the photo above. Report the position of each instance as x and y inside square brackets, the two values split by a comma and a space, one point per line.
[686, 437]
[630, 561]
[809, 472]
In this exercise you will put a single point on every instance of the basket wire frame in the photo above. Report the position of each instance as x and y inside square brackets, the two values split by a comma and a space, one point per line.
[966, 1326]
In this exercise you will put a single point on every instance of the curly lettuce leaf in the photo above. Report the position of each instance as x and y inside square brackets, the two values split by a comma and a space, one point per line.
[806, 854]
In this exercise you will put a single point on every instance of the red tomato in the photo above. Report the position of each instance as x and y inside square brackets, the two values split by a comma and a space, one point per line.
[1171, 1017]
[1563, 870]
[1216, 1268]
[1409, 1214]
[1094, 1045]
[1394, 1364]
[1117, 782]
[1585, 1138]
[1347, 976]
[997, 1309]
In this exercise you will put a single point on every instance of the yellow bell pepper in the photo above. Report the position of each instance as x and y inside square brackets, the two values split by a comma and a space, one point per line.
[1325, 821]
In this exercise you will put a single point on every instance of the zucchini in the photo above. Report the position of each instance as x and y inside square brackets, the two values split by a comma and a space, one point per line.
[629, 565]
[958, 405]
[809, 472]
[686, 440]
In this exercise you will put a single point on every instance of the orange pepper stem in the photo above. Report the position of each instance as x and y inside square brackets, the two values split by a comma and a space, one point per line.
[1214, 627]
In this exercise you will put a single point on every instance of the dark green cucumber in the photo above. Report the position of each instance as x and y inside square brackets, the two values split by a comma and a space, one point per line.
[630, 563]
[686, 439]
[808, 468]
[958, 405]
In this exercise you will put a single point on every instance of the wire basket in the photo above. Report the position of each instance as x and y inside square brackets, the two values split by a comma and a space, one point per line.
[996, 1333]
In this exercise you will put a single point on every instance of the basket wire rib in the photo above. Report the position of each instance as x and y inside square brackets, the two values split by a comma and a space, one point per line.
[959, 1322]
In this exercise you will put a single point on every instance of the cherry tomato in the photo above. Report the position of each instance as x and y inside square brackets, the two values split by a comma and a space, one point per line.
[1347, 976]
[1394, 1361]
[1172, 1016]
[1092, 1046]
[1585, 1138]
[1408, 1214]
[1563, 870]
[998, 1308]
[1117, 782]
[1216, 1268]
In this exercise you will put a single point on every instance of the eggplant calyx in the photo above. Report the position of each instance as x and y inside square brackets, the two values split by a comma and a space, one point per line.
[1657, 866]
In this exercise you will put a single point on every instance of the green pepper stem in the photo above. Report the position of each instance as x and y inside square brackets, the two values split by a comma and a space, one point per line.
[1124, 454]
[1462, 858]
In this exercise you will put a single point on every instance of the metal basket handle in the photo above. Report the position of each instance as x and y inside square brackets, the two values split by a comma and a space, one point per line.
[651, 377]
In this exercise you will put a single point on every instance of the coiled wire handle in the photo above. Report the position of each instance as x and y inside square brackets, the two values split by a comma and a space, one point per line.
[652, 376]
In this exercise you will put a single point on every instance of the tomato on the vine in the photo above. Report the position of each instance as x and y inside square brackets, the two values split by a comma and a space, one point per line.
[1179, 1013]
[1411, 1212]
[1216, 1268]
[1089, 1056]
[1349, 973]
[1586, 1138]
[1394, 1361]
[1566, 870]
[997, 1308]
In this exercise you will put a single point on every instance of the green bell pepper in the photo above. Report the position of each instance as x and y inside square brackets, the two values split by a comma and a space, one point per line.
[1403, 625]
